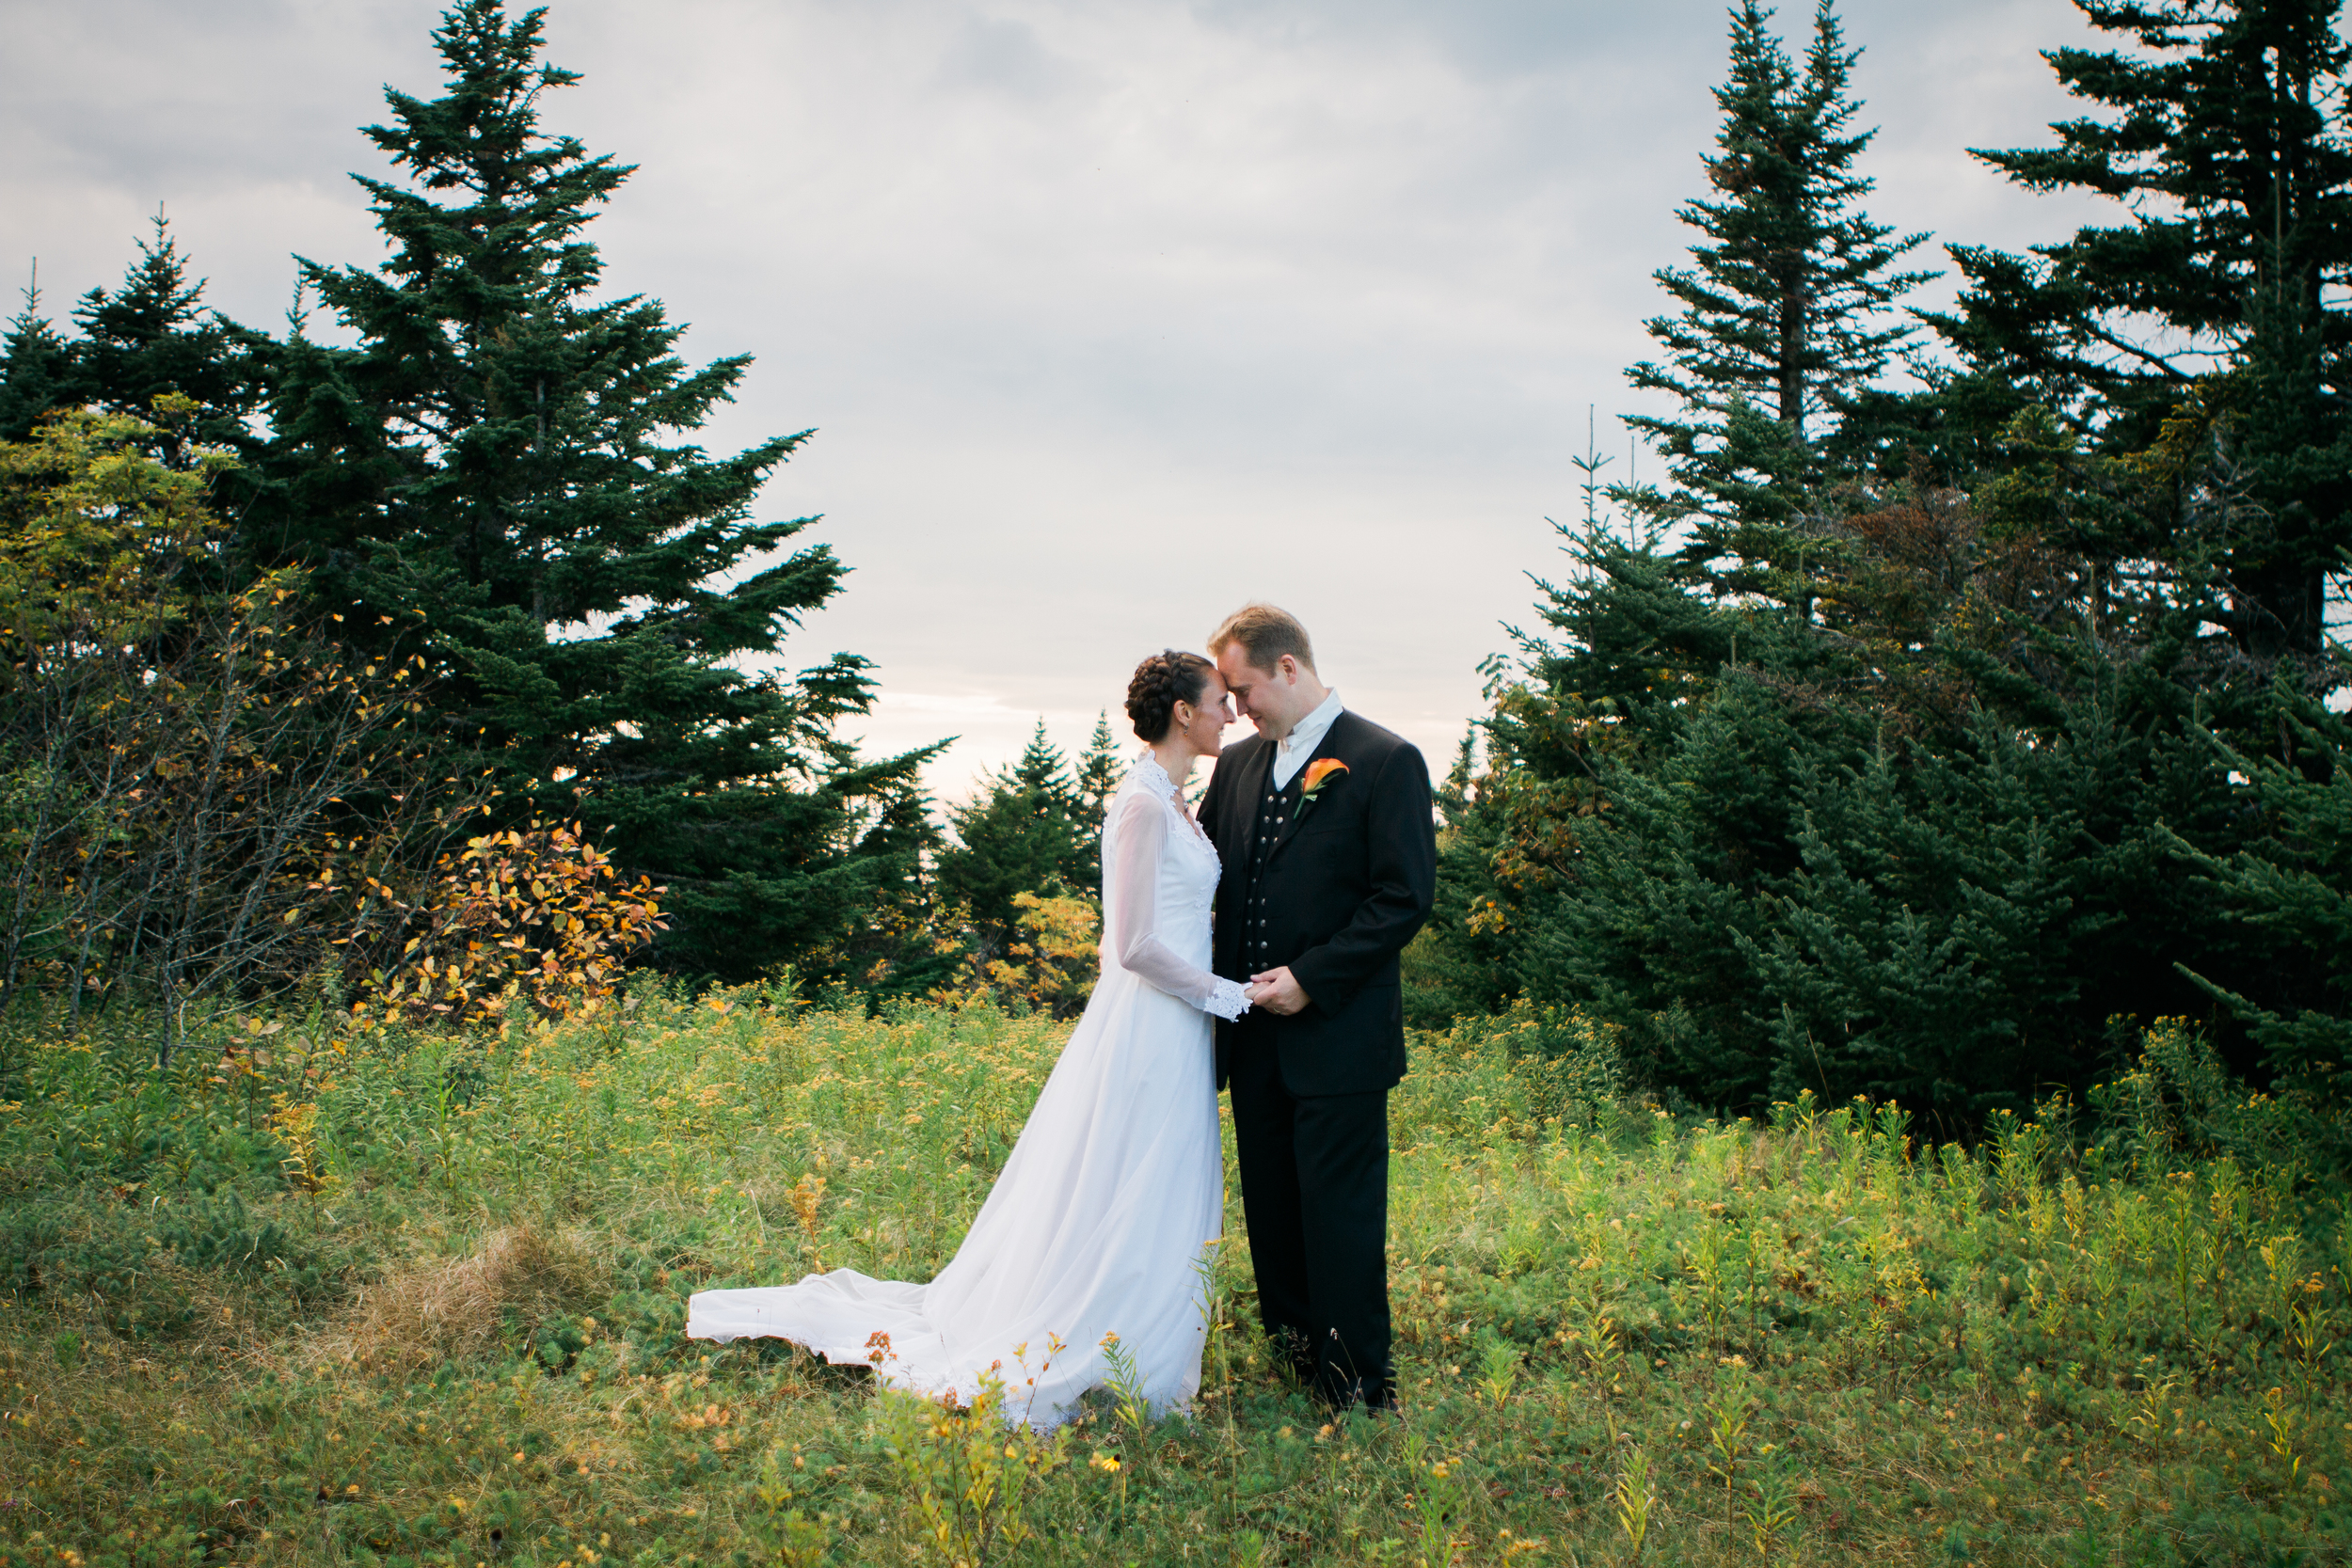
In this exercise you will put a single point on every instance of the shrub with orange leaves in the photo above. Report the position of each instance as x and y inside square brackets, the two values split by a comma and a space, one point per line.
[535, 915]
[194, 774]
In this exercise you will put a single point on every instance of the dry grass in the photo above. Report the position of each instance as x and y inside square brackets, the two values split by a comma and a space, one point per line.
[425, 1311]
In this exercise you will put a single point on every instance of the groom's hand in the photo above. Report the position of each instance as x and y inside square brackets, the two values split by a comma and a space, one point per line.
[1278, 993]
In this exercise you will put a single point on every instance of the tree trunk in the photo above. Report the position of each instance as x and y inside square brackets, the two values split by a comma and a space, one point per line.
[1794, 325]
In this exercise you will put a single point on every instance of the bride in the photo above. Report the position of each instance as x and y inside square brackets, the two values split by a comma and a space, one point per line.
[1099, 1221]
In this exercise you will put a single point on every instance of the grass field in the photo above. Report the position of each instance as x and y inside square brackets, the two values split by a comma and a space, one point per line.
[305, 1298]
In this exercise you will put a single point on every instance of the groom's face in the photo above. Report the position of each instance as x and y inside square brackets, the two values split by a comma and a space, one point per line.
[1267, 698]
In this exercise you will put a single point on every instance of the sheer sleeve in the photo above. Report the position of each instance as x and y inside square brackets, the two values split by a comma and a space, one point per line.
[1131, 876]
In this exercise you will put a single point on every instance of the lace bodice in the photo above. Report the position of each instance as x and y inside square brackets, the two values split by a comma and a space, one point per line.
[1159, 880]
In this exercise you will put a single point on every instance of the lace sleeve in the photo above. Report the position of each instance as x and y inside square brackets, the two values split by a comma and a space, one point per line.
[1140, 827]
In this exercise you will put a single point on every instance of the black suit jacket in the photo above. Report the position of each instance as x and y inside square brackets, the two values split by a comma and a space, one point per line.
[1348, 883]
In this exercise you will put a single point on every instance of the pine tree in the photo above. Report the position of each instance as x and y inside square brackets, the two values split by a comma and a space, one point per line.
[1783, 320]
[2292, 886]
[155, 336]
[34, 368]
[1022, 834]
[2225, 137]
[1099, 771]
[1043, 772]
[497, 469]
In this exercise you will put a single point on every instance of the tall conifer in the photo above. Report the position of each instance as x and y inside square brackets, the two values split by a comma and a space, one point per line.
[1022, 834]
[150, 336]
[2224, 134]
[154, 335]
[1783, 316]
[500, 468]
[1099, 770]
[34, 368]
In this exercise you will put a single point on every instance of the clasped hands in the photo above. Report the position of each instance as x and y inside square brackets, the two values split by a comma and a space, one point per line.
[1278, 991]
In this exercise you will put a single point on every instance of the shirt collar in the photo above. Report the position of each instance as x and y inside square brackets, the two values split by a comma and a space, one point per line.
[1308, 732]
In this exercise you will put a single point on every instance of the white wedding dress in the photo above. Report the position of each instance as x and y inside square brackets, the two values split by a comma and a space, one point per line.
[1099, 1222]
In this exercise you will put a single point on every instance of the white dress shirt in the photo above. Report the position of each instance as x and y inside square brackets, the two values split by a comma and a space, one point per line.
[1292, 752]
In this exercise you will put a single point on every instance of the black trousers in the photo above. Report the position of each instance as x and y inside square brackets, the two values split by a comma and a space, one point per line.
[1315, 1191]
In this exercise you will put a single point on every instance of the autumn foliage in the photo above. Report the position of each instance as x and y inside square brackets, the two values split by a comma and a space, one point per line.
[206, 798]
[194, 782]
[1051, 964]
[532, 918]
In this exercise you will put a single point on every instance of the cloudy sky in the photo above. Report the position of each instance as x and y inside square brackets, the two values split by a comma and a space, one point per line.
[1109, 314]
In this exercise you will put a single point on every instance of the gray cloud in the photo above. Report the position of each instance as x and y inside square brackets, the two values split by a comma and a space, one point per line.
[1109, 314]
[1006, 57]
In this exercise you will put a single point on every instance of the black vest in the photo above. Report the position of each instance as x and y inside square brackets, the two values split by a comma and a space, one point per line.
[1276, 807]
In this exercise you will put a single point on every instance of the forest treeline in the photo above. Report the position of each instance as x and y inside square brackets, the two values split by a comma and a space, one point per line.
[1963, 694]
[1959, 700]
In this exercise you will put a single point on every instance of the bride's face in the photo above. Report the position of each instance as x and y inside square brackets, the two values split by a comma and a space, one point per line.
[1204, 730]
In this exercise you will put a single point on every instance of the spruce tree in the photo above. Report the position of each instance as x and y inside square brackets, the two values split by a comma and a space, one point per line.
[1100, 767]
[1930, 842]
[152, 350]
[2223, 133]
[2291, 887]
[1783, 317]
[1042, 771]
[35, 367]
[155, 336]
[501, 470]
[1022, 834]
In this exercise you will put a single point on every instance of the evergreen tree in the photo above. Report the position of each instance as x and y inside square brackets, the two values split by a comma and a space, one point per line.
[1462, 963]
[1928, 837]
[495, 469]
[1879, 820]
[1099, 770]
[1783, 320]
[151, 337]
[1775, 868]
[34, 368]
[154, 337]
[1022, 834]
[2291, 885]
[2224, 136]
[1043, 772]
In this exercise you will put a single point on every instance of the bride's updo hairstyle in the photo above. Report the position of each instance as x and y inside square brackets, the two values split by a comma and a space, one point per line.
[1160, 683]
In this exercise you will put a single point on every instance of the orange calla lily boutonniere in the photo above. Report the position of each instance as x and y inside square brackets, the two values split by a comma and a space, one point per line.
[1322, 774]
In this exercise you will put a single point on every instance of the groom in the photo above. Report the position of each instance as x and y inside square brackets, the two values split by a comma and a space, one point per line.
[1322, 822]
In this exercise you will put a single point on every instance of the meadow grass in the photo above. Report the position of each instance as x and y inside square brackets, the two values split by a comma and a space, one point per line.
[308, 1298]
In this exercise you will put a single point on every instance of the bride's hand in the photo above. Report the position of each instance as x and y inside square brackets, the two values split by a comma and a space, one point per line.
[1278, 991]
